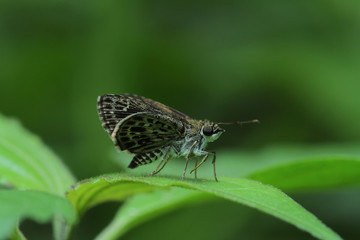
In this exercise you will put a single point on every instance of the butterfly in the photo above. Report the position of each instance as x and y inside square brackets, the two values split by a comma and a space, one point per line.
[151, 130]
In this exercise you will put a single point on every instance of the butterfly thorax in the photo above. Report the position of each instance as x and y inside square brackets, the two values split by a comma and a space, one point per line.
[195, 139]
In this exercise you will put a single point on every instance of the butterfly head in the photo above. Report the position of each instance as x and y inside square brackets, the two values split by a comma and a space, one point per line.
[211, 131]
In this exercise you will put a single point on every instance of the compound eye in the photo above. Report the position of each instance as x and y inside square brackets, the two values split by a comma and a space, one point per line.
[208, 130]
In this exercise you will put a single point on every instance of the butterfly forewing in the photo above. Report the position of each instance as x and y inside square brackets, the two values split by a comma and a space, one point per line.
[145, 132]
[114, 108]
[163, 109]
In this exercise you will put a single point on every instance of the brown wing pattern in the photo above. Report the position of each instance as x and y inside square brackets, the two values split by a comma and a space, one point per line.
[114, 108]
[159, 107]
[143, 132]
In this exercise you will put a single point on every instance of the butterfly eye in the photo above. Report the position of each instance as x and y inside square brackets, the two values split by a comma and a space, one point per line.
[207, 130]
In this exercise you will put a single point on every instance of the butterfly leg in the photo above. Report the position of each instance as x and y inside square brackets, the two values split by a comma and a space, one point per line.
[204, 159]
[158, 169]
[196, 162]
[213, 162]
[187, 159]
[163, 162]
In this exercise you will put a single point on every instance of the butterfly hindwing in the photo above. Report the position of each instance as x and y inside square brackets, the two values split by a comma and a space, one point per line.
[144, 132]
[145, 158]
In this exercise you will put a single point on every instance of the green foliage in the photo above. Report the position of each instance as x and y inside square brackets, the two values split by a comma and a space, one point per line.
[88, 193]
[312, 174]
[144, 207]
[40, 206]
[26, 163]
[250, 193]
[164, 194]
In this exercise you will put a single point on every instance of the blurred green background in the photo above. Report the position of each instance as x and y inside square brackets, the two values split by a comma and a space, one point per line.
[294, 65]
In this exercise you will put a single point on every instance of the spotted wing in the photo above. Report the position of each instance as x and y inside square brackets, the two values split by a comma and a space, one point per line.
[144, 132]
[114, 108]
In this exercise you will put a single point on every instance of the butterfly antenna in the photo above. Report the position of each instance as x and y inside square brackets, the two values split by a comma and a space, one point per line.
[239, 122]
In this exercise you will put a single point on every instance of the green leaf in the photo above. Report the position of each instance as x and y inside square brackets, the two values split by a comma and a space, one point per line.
[248, 192]
[270, 166]
[40, 206]
[17, 235]
[143, 207]
[26, 163]
[312, 174]
[93, 191]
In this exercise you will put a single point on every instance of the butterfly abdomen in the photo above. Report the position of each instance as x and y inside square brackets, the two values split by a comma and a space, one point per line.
[145, 158]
